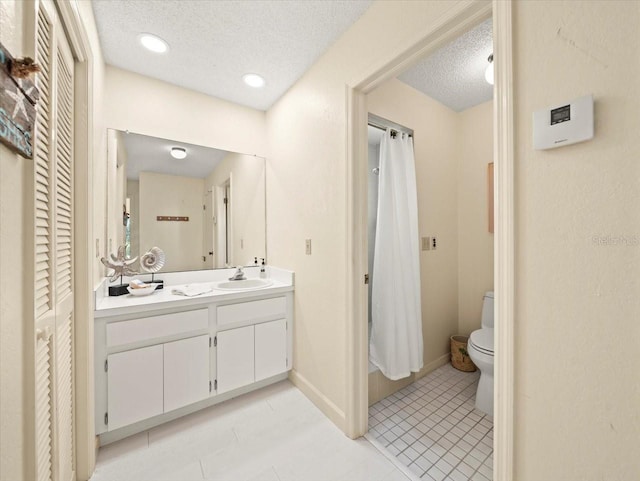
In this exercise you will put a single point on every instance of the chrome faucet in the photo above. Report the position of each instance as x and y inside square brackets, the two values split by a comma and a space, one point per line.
[238, 276]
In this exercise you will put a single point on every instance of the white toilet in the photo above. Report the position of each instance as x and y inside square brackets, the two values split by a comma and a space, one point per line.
[480, 349]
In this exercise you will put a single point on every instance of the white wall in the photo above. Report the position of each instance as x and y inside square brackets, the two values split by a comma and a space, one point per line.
[577, 291]
[181, 241]
[151, 107]
[475, 243]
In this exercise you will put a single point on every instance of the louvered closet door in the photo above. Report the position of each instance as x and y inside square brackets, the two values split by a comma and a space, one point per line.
[53, 289]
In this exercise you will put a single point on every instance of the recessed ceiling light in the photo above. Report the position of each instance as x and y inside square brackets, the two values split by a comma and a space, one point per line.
[253, 80]
[178, 152]
[153, 43]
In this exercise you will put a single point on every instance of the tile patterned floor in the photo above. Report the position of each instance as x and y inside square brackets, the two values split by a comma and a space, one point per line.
[433, 428]
[273, 434]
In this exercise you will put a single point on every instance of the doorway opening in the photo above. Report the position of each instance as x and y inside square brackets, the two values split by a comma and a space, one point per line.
[456, 23]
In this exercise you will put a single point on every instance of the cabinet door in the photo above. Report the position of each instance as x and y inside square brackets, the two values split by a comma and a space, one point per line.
[134, 383]
[271, 348]
[235, 358]
[186, 372]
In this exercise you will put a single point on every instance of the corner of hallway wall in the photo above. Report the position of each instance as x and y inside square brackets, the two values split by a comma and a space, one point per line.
[577, 230]
[475, 242]
[14, 173]
[307, 184]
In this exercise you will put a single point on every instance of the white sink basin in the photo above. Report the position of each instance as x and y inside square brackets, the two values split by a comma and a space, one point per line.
[245, 285]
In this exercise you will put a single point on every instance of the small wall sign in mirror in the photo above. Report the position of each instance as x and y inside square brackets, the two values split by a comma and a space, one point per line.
[172, 218]
[18, 98]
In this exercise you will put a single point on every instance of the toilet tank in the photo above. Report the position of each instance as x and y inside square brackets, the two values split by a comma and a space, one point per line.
[487, 310]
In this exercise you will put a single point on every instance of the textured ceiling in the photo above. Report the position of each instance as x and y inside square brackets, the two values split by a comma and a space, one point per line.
[212, 44]
[454, 75]
[150, 154]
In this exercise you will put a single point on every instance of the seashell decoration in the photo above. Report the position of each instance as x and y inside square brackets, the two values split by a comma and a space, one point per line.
[120, 264]
[153, 260]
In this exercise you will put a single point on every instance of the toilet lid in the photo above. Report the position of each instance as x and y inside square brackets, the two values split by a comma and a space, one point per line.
[482, 340]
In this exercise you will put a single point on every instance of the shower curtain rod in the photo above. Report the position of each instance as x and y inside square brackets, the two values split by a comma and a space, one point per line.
[384, 124]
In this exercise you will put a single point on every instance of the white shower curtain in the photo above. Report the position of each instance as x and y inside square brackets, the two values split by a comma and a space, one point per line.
[396, 330]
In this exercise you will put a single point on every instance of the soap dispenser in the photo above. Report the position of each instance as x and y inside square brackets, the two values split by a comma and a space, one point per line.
[263, 271]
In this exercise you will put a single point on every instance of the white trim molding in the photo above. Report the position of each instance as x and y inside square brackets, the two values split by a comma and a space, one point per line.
[85, 439]
[504, 260]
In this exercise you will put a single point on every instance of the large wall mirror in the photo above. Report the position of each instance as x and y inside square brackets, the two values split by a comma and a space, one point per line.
[205, 211]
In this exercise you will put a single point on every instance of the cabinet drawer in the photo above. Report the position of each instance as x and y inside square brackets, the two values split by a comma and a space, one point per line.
[261, 310]
[147, 328]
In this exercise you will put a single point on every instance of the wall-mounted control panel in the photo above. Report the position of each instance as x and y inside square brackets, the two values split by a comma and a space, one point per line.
[563, 124]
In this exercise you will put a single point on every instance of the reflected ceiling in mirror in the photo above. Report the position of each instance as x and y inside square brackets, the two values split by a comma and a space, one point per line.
[205, 211]
[150, 154]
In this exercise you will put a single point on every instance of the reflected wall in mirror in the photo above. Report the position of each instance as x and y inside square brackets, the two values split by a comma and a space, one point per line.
[219, 197]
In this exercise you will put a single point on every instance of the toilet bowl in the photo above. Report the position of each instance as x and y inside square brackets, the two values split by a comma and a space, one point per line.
[480, 349]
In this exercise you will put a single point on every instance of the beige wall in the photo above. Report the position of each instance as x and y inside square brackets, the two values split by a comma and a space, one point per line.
[436, 137]
[577, 291]
[181, 241]
[14, 172]
[151, 107]
[306, 186]
[247, 174]
[475, 243]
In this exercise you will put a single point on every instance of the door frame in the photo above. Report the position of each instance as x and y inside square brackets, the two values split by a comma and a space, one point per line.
[458, 19]
[84, 106]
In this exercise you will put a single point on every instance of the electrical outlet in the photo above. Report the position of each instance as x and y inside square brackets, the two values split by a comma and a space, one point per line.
[434, 244]
[426, 243]
[308, 246]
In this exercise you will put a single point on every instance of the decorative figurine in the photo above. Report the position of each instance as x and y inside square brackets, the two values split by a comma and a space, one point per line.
[152, 262]
[121, 267]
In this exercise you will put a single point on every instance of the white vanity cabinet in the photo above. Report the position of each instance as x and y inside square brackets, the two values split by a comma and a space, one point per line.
[145, 382]
[235, 358]
[257, 348]
[186, 372]
[161, 362]
[134, 386]
[252, 353]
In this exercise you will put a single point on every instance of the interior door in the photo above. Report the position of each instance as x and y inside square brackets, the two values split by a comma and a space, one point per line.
[53, 250]
[208, 216]
[220, 248]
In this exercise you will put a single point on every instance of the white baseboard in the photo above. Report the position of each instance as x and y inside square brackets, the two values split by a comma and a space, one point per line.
[322, 402]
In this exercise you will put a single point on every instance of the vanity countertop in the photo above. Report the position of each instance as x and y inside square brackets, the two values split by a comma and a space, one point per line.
[106, 306]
